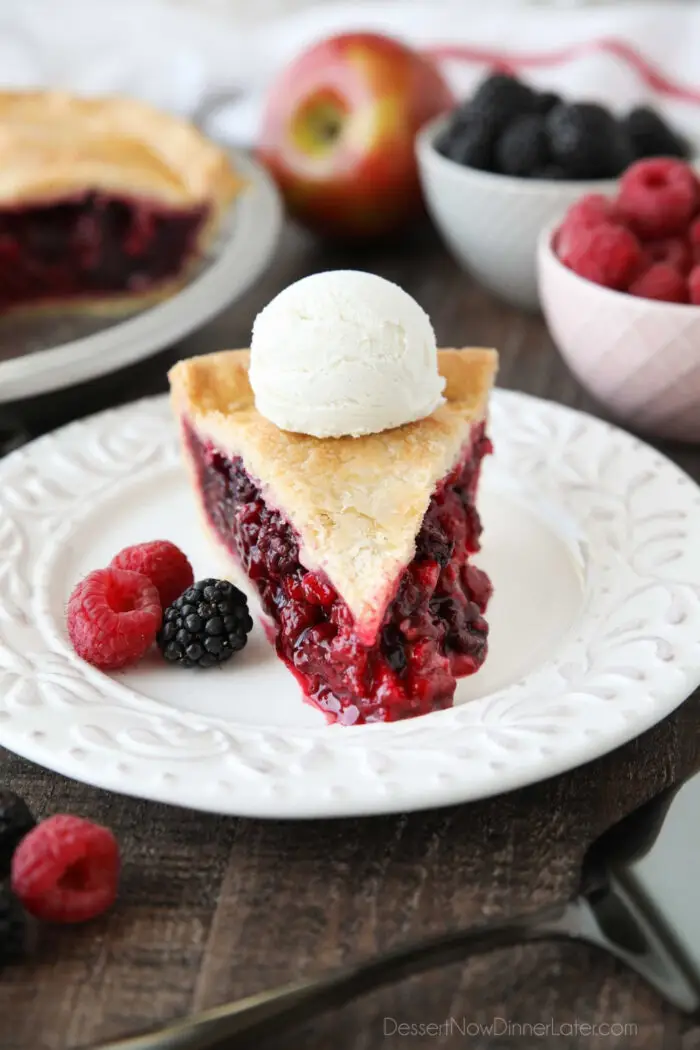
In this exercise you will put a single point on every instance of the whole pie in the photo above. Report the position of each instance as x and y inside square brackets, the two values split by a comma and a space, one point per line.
[105, 204]
[359, 549]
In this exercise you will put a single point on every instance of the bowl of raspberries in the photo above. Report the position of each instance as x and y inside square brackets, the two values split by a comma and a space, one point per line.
[511, 159]
[620, 288]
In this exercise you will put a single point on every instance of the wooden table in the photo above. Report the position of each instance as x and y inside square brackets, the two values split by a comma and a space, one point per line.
[213, 908]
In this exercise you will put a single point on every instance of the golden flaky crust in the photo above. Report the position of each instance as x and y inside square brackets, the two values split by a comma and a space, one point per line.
[53, 144]
[357, 503]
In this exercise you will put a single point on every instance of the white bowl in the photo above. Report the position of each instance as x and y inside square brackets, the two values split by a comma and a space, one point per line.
[491, 222]
[638, 357]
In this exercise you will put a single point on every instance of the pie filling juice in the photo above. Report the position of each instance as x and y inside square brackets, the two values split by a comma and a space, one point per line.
[433, 630]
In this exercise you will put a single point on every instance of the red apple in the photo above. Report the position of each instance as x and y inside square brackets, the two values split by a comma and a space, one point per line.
[338, 133]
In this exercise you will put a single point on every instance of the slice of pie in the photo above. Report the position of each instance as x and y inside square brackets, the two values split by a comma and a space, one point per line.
[359, 548]
[105, 204]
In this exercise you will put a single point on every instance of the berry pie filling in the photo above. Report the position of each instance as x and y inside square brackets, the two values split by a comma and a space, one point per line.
[433, 630]
[93, 244]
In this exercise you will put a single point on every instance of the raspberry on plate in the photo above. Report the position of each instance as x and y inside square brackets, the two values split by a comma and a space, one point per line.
[66, 870]
[694, 286]
[661, 282]
[671, 250]
[606, 254]
[163, 563]
[113, 617]
[658, 197]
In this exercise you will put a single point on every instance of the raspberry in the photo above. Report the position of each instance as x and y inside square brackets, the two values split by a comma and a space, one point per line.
[606, 254]
[163, 563]
[662, 282]
[66, 870]
[694, 240]
[694, 285]
[658, 197]
[15, 822]
[672, 250]
[112, 617]
[591, 210]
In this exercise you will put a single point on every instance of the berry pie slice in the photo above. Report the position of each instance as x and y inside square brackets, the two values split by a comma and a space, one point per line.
[105, 204]
[359, 549]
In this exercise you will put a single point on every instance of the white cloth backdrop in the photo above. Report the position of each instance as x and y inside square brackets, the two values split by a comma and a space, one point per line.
[175, 55]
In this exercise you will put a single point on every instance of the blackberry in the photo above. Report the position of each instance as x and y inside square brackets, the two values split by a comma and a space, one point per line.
[651, 136]
[206, 625]
[549, 171]
[469, 141]
[587, 141]
[14, 927]
[500, 99]
[545, 101]
[524, 146]
[15, 821]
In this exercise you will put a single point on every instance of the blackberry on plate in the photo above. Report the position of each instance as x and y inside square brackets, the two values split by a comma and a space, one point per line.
[13, 927]
[206, 625]
[523, 148]
[651, 136]
[469, 140]
[501, 98]
[587, 141]
[15, 822]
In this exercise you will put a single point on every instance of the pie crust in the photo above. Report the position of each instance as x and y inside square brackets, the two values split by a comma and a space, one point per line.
[55, 146]
[356, 503]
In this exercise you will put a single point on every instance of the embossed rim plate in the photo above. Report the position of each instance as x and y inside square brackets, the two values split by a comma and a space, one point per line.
[243, 250]
[606, 524]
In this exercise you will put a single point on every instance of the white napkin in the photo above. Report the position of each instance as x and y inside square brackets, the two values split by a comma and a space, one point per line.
[177, 58]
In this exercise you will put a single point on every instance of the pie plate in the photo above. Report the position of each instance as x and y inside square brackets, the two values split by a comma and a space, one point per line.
[590, 538]
[43, 353]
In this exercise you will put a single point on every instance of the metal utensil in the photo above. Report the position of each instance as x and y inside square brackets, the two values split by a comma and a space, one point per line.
[606, 914]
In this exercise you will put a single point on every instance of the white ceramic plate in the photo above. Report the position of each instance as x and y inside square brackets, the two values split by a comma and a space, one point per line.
[591, 540]
[39, 355]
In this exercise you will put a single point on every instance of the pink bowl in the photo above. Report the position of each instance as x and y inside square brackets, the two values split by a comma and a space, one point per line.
[639, 357]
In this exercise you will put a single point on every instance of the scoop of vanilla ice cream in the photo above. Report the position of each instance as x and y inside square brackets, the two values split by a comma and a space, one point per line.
[344, 352]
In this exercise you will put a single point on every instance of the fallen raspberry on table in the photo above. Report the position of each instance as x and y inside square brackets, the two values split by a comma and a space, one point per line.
[113, 617]
[66, 870]
[662, 282]
[658, 197]
[163, 563]
[694, 286]
[673, 251]
[606, 254]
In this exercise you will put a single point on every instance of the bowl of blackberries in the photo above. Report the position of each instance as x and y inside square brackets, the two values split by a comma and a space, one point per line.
[510, 159]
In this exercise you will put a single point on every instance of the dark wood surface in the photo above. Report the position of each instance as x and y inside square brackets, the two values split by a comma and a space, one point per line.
[213, 908]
